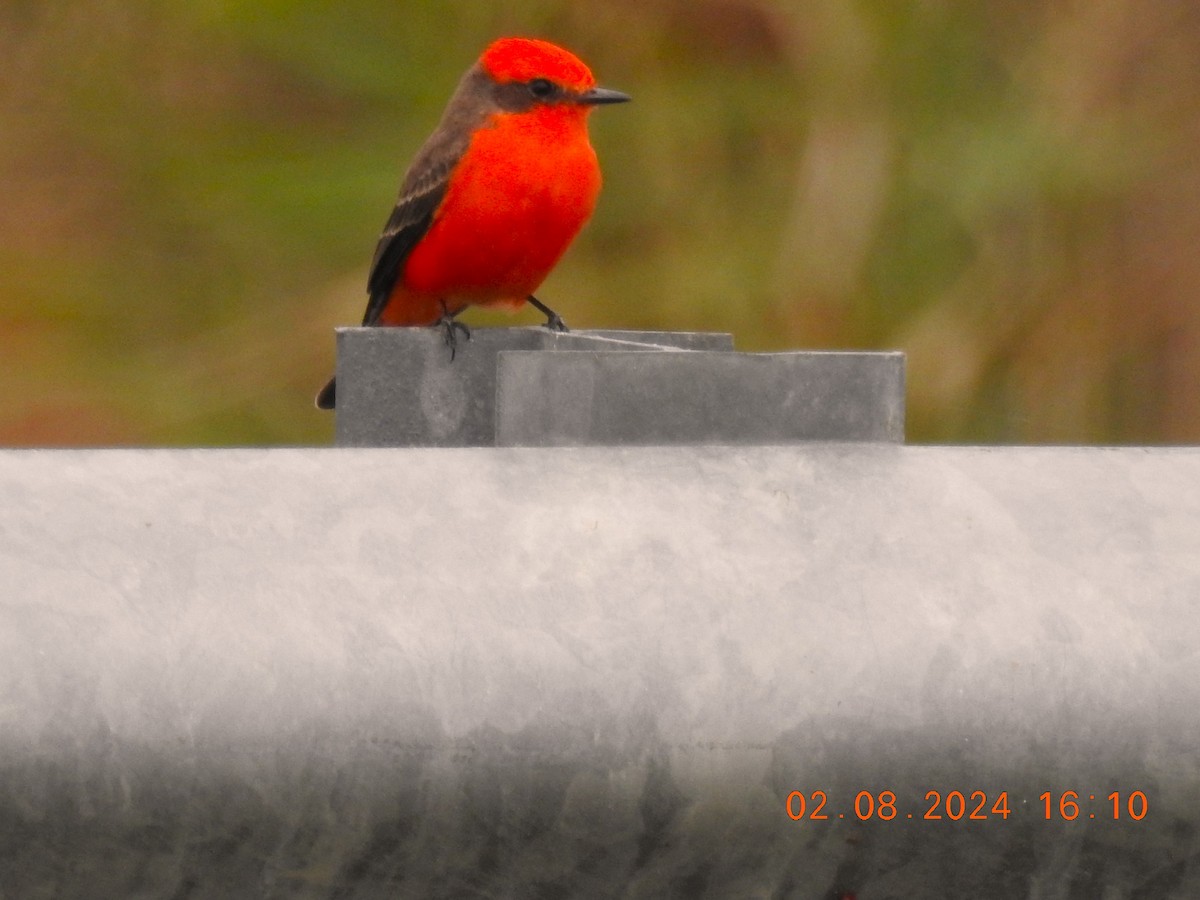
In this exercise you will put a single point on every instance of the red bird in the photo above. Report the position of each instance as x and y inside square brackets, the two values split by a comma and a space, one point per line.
[494, 197]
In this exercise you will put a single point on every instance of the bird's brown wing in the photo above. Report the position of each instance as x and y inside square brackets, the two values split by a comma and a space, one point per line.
[425, 185]
[420, 197]
[413, 214]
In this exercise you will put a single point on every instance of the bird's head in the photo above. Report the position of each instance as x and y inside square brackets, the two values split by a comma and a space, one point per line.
[533, 72]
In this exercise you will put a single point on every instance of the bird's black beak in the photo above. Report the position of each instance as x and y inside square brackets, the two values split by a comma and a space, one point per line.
[599, 95]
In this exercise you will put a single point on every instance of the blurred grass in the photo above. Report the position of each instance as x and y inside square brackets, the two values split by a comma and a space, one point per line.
[1008, 192]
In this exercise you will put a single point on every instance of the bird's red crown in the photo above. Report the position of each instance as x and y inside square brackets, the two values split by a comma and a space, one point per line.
[523, 59]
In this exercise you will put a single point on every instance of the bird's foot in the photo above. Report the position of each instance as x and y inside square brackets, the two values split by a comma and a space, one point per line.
[452, 327]
[553, 320]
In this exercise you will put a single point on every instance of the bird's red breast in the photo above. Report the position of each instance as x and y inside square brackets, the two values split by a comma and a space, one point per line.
[522, 191]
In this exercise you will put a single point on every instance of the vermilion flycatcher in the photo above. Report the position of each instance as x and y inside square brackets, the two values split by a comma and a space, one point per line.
[494, 197]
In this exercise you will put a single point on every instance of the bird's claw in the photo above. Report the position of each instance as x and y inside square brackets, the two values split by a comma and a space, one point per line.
[553, 320]
[451, 327]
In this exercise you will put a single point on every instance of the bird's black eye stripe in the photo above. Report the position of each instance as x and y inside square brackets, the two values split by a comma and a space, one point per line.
[541, 88]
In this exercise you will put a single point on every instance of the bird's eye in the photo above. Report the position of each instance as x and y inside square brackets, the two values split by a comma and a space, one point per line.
[541, 88]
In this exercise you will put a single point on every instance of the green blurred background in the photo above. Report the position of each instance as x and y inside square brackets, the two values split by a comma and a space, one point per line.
[1008, 191]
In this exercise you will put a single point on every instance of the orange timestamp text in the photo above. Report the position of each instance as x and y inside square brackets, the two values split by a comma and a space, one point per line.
[973, 806]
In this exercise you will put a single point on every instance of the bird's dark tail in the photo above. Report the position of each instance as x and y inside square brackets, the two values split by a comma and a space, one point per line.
[327, 398]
